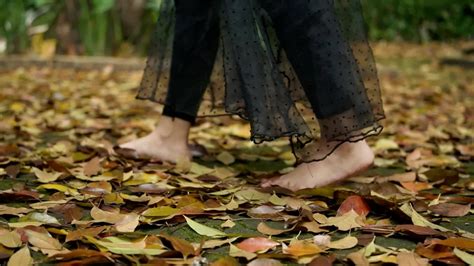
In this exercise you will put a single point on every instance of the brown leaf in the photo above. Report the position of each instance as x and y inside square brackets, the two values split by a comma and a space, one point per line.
[450, 209]
[257, 244]
[181, 245]
[78, 253]
[323, 261]
[410, 259]
[418, 230]
[356, 203]
[404, 177]
[9, 150]
[13, 170]
[92, 167]
[80, 233]
[434, 251]
[416, 186]
[458, 242]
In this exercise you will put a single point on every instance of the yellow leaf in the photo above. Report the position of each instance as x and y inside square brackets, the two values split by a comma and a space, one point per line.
[237, 252]
[464, 256]
[417, 219]
[344, 243]
[225, 158]
[65, 189]
[228, 224]
[300, 248]
[45, 177]
[346, 222]
[162, 211]
[126, 247]
[10, 239]
[21, 258]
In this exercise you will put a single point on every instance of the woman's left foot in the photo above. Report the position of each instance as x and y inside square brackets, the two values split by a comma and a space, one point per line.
[347, 160]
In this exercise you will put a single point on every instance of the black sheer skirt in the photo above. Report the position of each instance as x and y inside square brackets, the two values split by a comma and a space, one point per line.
[301, 69]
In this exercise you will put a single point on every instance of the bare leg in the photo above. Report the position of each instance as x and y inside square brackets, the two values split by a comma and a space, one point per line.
[347, 160]
[168, 142]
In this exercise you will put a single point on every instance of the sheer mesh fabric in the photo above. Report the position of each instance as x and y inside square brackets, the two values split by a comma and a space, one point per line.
[298, 69]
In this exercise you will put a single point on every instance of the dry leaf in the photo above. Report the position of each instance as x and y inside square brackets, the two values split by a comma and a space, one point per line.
[21, 258]
[257, 244]
[450, 209]
[343, 243]
[356, 203]
[43, 241]
[300, 248]
[237, 252]
[346, 222]
[411, 259]
[203, 229]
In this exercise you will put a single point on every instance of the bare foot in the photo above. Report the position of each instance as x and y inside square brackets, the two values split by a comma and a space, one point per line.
[347, 160]
[168, 142]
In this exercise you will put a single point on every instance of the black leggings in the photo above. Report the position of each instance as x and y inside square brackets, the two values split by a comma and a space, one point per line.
[302, 36]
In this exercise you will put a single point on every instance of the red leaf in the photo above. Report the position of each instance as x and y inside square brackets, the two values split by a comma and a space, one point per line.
[356, 203]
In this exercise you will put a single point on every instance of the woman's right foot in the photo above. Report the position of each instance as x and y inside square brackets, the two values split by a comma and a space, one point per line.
[168, 142]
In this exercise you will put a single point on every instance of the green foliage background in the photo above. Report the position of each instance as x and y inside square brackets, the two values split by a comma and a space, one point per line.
[100, 29]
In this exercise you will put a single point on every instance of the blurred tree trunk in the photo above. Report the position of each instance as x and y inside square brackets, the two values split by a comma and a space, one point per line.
[131, 17]
[67, 29]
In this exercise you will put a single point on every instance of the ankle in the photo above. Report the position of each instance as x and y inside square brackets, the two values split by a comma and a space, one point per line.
[173, 130]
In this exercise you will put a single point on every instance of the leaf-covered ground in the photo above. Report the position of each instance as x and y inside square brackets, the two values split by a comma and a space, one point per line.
[66, 198]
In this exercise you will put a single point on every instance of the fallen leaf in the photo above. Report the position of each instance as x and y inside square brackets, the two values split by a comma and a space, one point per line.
[45, 177]
[227, 224]
[358, 258]
[21, 258]
[356, 203]
[450, 209]
[411, 259]
[267, 230]
[234, 251]
[345, 222]
[225, 158]
[343, 243]
[43, 241]
[416, 186]
[458, 242]
[257, 244]
[404, 177]
[264, 262]
[10, 239]
[300, 248]
[419, 220]
[92, 167]
[203, 229]
[181, 245]
[464, 256]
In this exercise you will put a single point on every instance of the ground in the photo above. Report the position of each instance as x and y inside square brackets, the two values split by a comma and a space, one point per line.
[66, 198]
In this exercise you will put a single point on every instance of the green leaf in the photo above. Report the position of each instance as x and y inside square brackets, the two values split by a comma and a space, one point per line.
[101, 6]
[204, 230]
